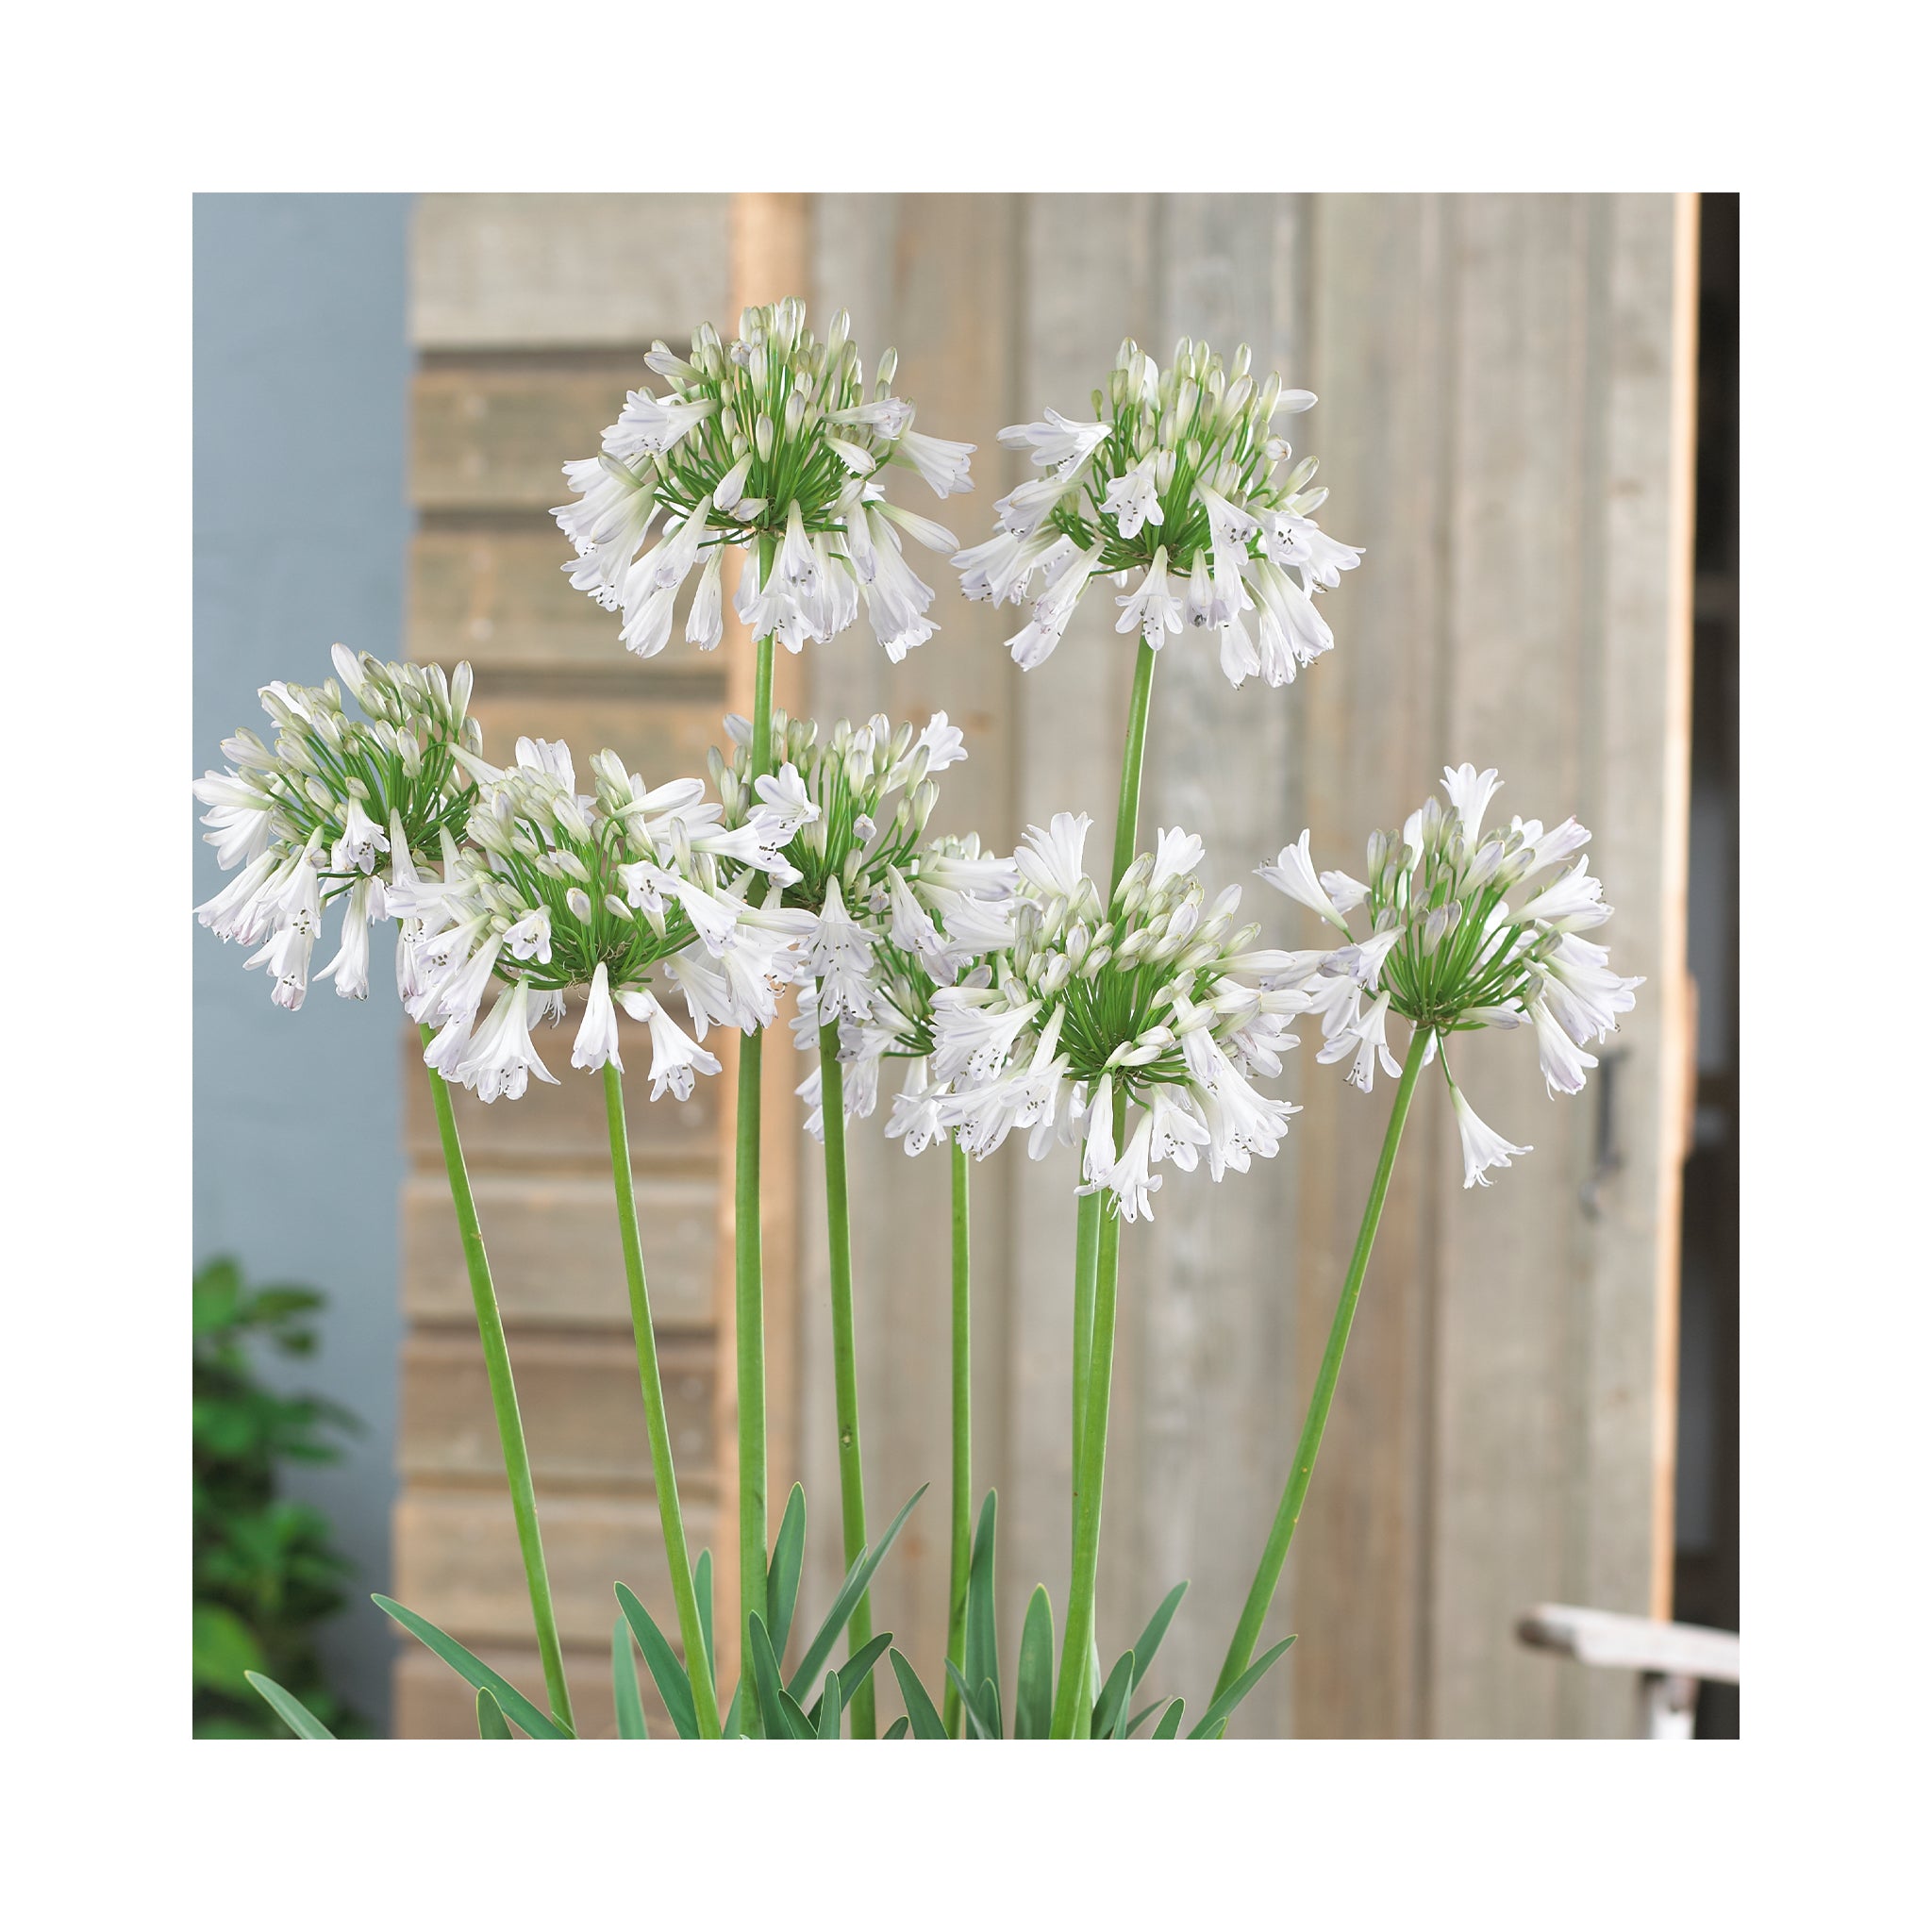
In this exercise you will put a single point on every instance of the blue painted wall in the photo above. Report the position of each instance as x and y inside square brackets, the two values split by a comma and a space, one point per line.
[301, 526]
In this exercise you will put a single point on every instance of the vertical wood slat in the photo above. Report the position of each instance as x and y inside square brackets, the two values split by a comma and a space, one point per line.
[769, 253]
[934, 276]
[1206, 1309]
[1088, 279]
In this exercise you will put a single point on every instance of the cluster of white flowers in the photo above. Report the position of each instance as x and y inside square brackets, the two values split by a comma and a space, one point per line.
[1447, 953]
[557, 889]
[893, 912]
[1181, 478]
[1154, 998]
[772, 438]
[333, 813]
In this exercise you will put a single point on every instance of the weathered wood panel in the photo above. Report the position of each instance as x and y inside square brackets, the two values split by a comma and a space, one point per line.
[554, 1248]
[1205, 1341]
[573, 270]
[457, 1560]
[494, 432]
[581, 1407]
[533, 313]
[927, 275]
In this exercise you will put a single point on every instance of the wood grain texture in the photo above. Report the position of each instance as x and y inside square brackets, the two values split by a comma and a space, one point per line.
[554, 1249]
[923, 273]
[456, 1561]
[580, 1404]
[522, 271]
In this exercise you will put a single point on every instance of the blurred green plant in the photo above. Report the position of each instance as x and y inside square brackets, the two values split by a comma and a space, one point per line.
[266, 1572]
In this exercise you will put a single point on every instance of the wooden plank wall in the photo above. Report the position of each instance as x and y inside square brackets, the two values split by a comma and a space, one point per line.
[530, 317]
[1503, 421]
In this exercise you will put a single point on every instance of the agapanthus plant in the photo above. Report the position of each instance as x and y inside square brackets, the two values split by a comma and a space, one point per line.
[332, 813]
[884, 904]
[601, 893]
[1152, 998]
[1446, 952]
[772, 443]
[1181, 479]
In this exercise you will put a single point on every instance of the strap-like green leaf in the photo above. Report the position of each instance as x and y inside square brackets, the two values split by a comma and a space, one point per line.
[980, 1719]
[895, 1729]
[490, 1722]
[830, 1708]
[290, 1709]
[1033, 1692]
[674, 1686]
[624, 1683]
[1140, 1716]
[918, 1706]
[781, 1578]
[853, 1672]
[701, 1585]
[790, 1721]
[1112, 1700]
[1149, 1640]
[981, 1658]
[802, 1678]
[733, 1725]
[1220, 1710]
[473, 1670]
[1170, 1723]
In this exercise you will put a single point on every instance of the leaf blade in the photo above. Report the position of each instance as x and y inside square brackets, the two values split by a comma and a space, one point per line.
[490, 1722]
[1220, 1710]
[920, 1713]
[473, 1670]
[856, 1578]
[624, 1683]
[1149, 1640]
[1033, 1691]
[1112, 1700]
[290, 1708]
[1169, 1722]
[674, 1686]
[980, 1651]
[781, 1578]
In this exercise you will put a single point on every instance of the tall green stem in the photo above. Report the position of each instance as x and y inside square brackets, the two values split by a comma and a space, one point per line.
[1127, 837]
[845, 1361]
[663, 1472]
[1126, 824]
[748, 1249]
[1253, 1613]
[1072, 1699]
[503, 1398]
[962, 1441]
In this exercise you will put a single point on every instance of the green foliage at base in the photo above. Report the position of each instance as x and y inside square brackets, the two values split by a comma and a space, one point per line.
[266, 1570]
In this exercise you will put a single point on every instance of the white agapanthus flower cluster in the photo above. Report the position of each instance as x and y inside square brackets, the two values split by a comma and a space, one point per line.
[966, 899]
[558, 890]
[886, 903]
[1181, 479]
[1446, 952]
[331, 815]
[768, 442]
[1155, 999]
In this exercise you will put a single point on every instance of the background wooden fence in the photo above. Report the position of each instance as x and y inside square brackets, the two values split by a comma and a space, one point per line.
[1504, 423]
